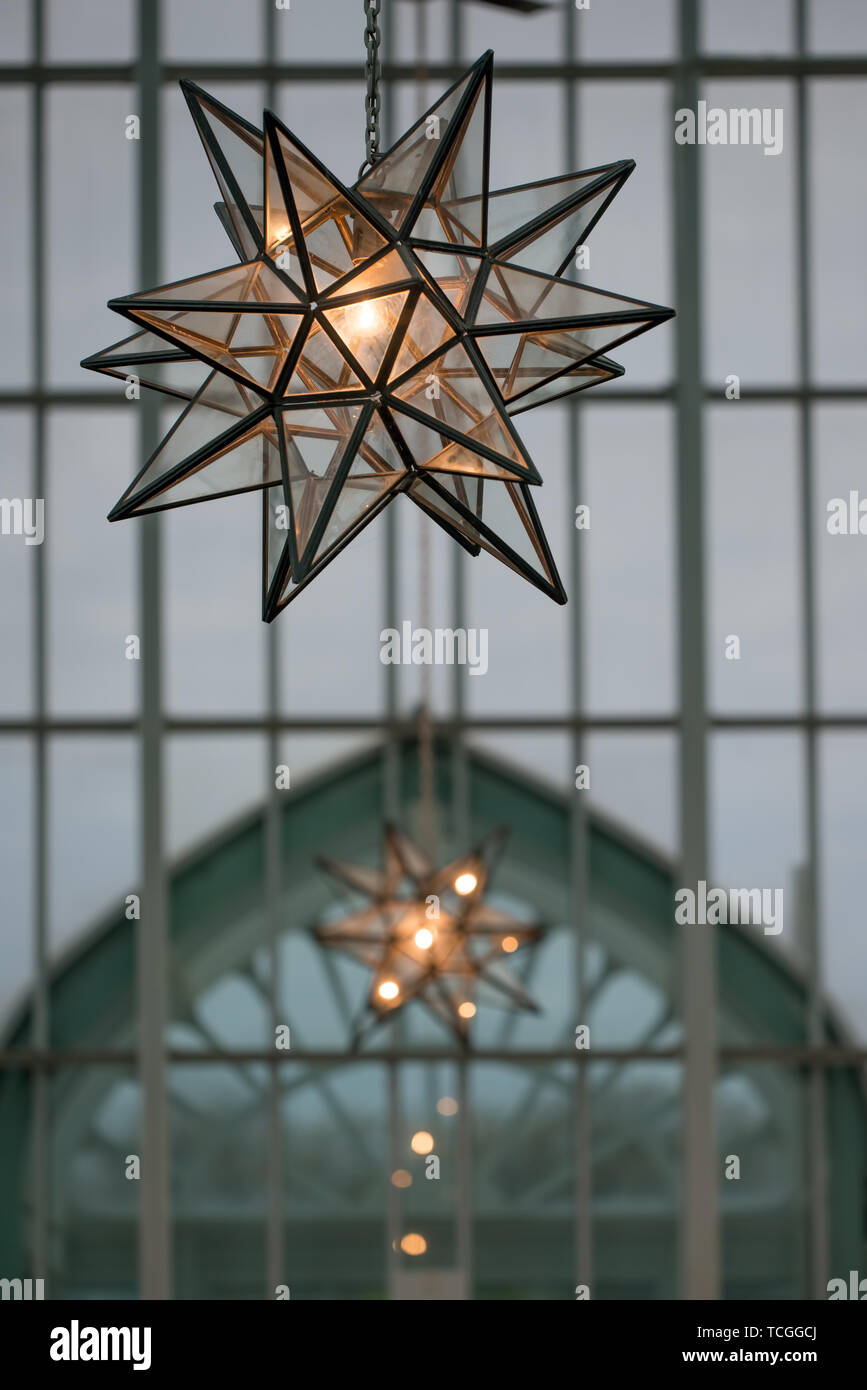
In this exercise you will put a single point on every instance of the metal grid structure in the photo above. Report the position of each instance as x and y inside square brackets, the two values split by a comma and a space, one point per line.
[701, 1054]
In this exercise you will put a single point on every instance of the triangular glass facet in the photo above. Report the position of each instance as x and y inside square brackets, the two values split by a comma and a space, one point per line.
[375, 471]
[508, 516]
[241, 149]
[321, 367]
[521, 361]
[437, 453]
[368, 327]
[593, 372]
[315, 442]
[451, 391]
[453, 273]
[395, 179]
[549, 249]
[453, 212]
[427, 330]
[217, 465]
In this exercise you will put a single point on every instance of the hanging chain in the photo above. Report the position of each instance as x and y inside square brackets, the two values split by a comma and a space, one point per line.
[371, 100]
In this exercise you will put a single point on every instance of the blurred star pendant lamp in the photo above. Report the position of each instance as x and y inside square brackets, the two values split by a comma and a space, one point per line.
[429, 934]
[373, 340]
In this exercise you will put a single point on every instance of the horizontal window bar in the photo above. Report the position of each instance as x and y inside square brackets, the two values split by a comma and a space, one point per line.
[704, 65]
[216, 724]
[17, 1059]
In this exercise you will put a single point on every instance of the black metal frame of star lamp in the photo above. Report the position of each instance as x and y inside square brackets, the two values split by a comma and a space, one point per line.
[368, 403]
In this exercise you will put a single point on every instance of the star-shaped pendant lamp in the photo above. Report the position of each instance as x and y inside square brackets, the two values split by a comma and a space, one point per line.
[374, 340]
[429, 934]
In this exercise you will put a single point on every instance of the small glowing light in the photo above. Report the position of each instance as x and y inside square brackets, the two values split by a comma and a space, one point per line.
[446, 1105]
[388, 990]
[282, 235]
[362, 320]
[366, 316]
[467, 1010]
[465, 883]
[413, 1244]
[509, 944]
[424, 938]
[401, 1178]
[421, 1142]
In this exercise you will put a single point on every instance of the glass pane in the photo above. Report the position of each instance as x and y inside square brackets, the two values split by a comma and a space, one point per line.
[758, 848]
[17, 1097]
[754, 639]
[218, 1117]
[837, 26]
[636, 1110]
[17, 854]
[838, 180]
[336, 623]
[212, 583]
[222, 1000]
[410, 521]
[523, 1125]
[620, 120]
[89, 221]
[16, 261]
[764, 1193]
[839, 521]
[525, 632]
[91, 30]
[742, 27]
[335, 1170]
[530, 36]
[19, 552]
[629, 559]
[633, 781]
[92, 608]
[517, 152]
[202, 29]
[210, 781]
[624, 29]
[843, 769]
[304, 37]
[848, 1171]
[749, 254]
[96, 1133]
[93, 846]
[15, 32]
[547, 755]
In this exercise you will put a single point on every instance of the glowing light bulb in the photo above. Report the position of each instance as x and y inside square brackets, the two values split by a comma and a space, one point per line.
[421, 1142]
[366, 317]
[282, 236]
[413, 1244]
[509, 944]
[465, 883]
[467, 1010]
[388, 990]
[424, 939]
